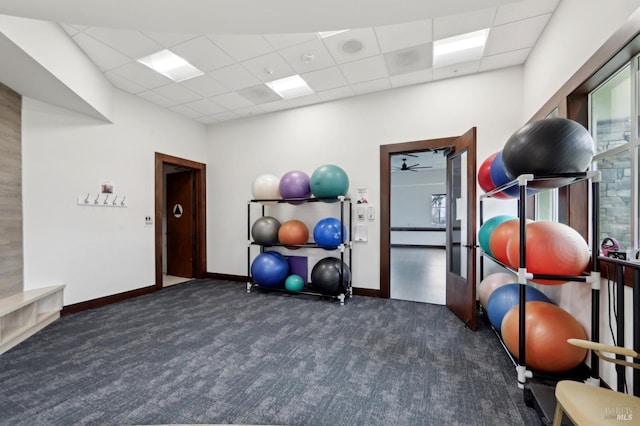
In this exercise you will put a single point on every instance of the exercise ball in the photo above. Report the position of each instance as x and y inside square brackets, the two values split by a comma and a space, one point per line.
[266, 187]
[506, 297]
[547, 328]
[325, 276]
[493, 281]
[295, 184]
[499, 239]
[484, 177]
[265, 230]
[552, 249]
[293, 232]
[329, 181]
[329, 232]
[499, 177]
[269, 269]
[294, 283]
[487, 228]
[548, 146]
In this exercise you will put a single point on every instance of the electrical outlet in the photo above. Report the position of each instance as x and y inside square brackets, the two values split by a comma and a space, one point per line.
[148, 220]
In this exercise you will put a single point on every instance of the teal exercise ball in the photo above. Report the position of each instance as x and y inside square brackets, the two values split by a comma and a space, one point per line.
[294, 283]
[329, 181]
[487, 228]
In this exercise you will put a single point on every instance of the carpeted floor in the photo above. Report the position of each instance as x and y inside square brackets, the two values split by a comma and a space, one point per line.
[208, 352]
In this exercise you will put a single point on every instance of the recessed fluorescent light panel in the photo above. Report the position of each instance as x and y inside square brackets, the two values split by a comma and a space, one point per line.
[458, 49]
[170, 65]
[325, 34]
[290, 87]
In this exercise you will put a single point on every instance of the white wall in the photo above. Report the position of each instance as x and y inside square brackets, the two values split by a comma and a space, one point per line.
[576, 30]
[348, 133]
[95, 251]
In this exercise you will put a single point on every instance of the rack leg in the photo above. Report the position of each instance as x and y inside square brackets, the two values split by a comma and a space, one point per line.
[341, 299]
[523, 375]
[248, 287]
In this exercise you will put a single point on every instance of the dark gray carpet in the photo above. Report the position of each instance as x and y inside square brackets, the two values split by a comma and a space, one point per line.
[208, 352]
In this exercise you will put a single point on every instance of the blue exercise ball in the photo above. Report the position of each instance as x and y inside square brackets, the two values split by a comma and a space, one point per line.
[326, 276]
[270, 269]
[329, 232]
[294, 282]
[506, 297]
[484, 234]
[499, 177]
[329, 181]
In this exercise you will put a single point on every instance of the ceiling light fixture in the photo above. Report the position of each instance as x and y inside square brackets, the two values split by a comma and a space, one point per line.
[170, 65]
[461, 48]
[290, 87]
[325, 34]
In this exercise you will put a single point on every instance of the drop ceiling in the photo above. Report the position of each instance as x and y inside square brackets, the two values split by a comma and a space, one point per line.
[353, 63]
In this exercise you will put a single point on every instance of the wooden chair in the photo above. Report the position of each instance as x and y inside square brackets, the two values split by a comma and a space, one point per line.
[587, 404]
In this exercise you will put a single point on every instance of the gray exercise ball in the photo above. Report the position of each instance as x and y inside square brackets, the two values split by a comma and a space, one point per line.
[325, 276]
[265, 230]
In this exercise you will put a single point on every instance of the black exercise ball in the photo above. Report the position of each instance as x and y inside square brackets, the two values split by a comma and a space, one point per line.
[546, 147]
[325, 276]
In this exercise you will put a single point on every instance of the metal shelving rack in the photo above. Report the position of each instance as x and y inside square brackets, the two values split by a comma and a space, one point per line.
[345, 248]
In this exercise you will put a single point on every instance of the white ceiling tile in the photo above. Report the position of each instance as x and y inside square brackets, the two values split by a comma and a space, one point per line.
[275, 106]
[156, 98]
[365, 70]
[502, 60]
[325, 79]
[456, 70]
[185, 110]
[235, 77]
[226, 116]
[207, 120]
[410, 59]
[515, 35]
[102, 55]
[304, 100]
[124, 84]
[205, 107]
[371, 86]
[417, 77]
[134, 44]
[268, 67]
[242, 47]
[352, 45]
[142, 75]
[231, 101]
[177, 93]
[259, 94]
[249, 111]
[449, 26]
[202, 54]
[169, 39]
[205, 85]
[337, 93]
[315, 49]
[399, 36]
[281, 41]
[524, 9]
[69, 29]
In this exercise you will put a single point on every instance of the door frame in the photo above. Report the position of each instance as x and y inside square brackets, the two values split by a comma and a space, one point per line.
[386, 151]
[200, 225]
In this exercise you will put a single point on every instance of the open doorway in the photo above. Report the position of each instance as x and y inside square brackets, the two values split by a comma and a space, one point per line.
[180, 227]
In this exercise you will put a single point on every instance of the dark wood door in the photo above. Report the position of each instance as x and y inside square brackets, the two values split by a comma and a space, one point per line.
[180, 224]
[461, 229]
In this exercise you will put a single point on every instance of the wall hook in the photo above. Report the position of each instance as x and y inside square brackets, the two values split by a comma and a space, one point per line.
[106, 199]
[96, 200]
[122, 202]
[114, 200]
[86, 200]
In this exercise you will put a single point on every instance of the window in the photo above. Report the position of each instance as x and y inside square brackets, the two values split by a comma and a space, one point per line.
[612, 106]
[439, 209]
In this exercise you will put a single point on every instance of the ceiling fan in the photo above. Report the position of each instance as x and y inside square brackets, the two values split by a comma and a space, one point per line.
[404, 167]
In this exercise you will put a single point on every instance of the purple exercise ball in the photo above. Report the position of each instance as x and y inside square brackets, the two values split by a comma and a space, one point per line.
[295, 184]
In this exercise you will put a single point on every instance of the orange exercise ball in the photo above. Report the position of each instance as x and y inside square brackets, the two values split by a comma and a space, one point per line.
[293, 232]
[500, 237]
[492, 282]
[547, 328]
[552, 249]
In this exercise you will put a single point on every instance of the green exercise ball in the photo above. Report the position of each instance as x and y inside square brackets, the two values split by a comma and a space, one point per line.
[294, 283]
[329, 181]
